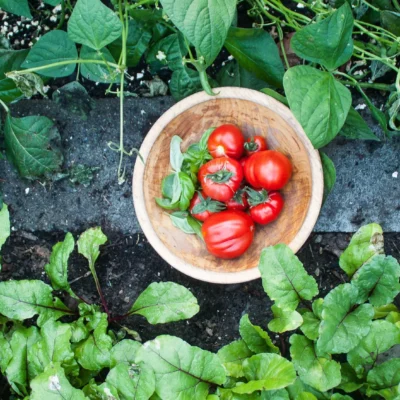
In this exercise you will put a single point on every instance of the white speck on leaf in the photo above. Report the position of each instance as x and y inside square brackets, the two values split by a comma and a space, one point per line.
[299, 5]
[54, 383]
[360, 106]
[157, 344]
[161, 55]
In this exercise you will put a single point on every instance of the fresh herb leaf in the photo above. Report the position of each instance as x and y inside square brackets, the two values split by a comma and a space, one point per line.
[188, 190]
[124, 352]
[89, 244]
[176, 156]
[310, 325]
[232, 356]
[385, 375]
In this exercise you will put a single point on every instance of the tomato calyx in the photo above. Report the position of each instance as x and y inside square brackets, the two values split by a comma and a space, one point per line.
[221, 176]
[238, 196]
[251, 146]
[207, 204]
[257, 197]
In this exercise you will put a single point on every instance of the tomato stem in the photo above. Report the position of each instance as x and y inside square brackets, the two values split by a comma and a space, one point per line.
[221, 176]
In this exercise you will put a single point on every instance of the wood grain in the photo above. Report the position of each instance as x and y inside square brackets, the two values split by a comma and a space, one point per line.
[254, 116]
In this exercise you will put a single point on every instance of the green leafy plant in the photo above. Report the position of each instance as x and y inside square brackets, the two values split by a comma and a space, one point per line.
[336, 350]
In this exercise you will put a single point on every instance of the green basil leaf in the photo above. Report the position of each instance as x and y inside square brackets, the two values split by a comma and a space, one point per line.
[98, 72]
[52, 384]
[385, 375]
[266, 372]
[256, 339]
[132, 381]
[256, 51]
[167, 186]
[378, 280]
[233, 74]
[54, 346]
[356, 128]
[57, 269]
[232, 357]
[204, 139]
[24, 299]
[390, 20]
[328, 42]
[21, 342]
[53, 47]
[275, 95]
[188, 190]
[284, 278]
[124, 352]
[17, 7]
[30, 145]
[93, 24]
[329, 171]
[165, 302]
[204, 22]
[94, 353]
[169, 52]
[320, 372]
[180, 220]
[172, 361]
[284, 320]
[344, 323]
[366, 243]
[176, 156]
[318, 101]
[167, 204]
[184, 82]
[196, 226]
[176, 188]
[137, 42]
[382, 337]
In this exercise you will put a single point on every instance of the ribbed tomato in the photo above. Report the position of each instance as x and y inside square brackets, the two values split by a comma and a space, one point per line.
[220, 178]
[228, 234]
[268, 169]
[226, 141]
[238, 201]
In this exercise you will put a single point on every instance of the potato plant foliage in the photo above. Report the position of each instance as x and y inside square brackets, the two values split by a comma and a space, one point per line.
[341, 44]
[51, 351]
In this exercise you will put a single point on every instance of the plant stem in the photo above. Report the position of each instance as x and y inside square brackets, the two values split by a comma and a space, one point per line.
[100, 291]
[60, 63]
[372, 35]
[353, 82]
[62, 17]
[204, 81]
[280, 33]
[4, 106]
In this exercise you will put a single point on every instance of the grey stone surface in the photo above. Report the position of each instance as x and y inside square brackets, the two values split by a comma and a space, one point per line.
[366, 190]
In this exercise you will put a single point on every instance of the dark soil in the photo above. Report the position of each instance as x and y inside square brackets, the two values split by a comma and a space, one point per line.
[127, 265]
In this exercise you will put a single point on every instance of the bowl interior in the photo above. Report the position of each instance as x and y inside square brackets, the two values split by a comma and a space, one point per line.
[253, 119]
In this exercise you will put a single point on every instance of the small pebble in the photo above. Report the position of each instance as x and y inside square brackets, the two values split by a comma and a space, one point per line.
[126, 299]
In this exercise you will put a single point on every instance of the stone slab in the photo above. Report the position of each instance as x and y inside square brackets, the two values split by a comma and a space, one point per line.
[367, 188]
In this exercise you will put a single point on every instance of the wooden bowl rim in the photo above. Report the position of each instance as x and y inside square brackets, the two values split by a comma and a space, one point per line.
[139, 169]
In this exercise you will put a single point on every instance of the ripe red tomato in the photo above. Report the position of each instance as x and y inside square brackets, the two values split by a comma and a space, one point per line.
[201, 208]
[220, 178]
[268, 169]
[238, 201]
[226, 141]
[243, 161]
[254, 145]
[228, 234]
[265, 207]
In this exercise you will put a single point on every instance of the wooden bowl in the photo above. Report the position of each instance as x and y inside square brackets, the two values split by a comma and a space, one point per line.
[256, 114]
